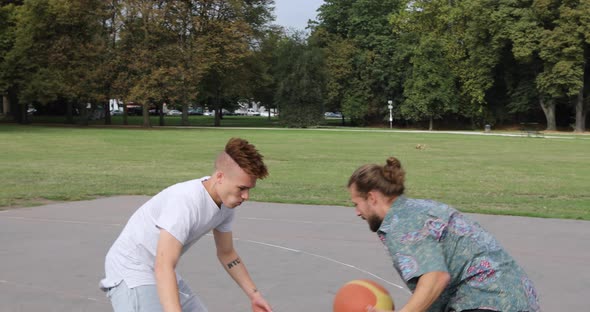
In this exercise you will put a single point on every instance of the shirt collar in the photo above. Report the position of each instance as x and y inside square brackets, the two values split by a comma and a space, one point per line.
[390, 218]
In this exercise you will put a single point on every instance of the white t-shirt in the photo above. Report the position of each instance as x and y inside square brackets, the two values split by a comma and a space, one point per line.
[186, 210]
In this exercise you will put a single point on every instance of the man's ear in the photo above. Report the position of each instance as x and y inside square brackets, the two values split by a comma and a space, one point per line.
[371, 198]
[218, 176]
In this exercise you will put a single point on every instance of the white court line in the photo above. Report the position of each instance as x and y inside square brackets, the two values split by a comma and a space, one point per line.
[324, 258]
[303, 221]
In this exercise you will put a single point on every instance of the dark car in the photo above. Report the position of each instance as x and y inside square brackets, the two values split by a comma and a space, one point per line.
[195, 111]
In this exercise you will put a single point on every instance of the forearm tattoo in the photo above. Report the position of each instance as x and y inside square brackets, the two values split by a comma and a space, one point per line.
[233, 263]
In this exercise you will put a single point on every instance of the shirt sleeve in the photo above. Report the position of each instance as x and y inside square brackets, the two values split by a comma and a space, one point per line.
[227, 223]
[176, 217]
[418, 252]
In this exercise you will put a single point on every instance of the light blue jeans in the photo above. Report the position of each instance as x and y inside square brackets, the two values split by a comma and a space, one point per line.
[146, 299]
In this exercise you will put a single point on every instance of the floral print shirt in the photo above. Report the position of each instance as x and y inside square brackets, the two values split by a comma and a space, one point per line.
[425, 236]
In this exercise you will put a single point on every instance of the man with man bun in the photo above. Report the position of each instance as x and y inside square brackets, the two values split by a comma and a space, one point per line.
[449, 262]
[140, 267]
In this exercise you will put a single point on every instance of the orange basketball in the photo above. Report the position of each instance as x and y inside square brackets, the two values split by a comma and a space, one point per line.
[356, 295]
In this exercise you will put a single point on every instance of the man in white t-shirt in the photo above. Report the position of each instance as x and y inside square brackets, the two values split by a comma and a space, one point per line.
[140, 265]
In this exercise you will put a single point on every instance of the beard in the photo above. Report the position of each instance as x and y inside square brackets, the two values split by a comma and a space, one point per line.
[374, 222]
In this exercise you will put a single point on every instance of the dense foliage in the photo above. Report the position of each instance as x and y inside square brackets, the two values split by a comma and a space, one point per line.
[474, 61]
[443, 63]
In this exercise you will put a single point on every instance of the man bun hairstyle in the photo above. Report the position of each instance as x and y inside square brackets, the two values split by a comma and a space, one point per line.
[388, 179]
[247, 157]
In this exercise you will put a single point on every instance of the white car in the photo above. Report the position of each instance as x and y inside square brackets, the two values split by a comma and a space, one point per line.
[174, 112]
[265, 114]
[333, 115]
[252, 112]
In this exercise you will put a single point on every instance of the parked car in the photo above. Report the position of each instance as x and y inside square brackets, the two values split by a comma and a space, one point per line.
[134, 110]
[195, 111]
[265, 114]
[252, 112]
[333, 115]
[174, 112]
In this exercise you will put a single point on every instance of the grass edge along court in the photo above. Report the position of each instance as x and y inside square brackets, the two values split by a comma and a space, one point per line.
[537, 177]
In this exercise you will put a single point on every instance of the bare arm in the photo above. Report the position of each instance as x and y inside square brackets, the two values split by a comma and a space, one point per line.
[430, 286]
[167, 255]
[234, 266]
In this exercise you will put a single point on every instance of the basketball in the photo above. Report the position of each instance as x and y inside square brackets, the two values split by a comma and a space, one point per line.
[356, 295]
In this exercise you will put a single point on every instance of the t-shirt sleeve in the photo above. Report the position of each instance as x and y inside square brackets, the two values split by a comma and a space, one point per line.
[227, 223]
[176, 218]
[419, 252]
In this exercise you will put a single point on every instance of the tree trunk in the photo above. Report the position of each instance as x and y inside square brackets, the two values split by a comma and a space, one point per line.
[14, 107]
[146, 115]
[431, 124]
[217, 110]
[69, 112]
[23, 115]
[217, 117]
[107, 112]
[549, 110]
[125, 113]
[85, 117]
[161, 113]
[184, 120]
[581, 111]
[5, 105]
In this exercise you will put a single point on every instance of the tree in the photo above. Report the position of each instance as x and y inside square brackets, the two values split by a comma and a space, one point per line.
[78, 53]
[564, 50]
[54, 46]
[231, 29]
[260, 69]
[24, 66]
[7, 38]
[339, 64]
[430, 88]
[300, 80]
[109, 61]
[143, 45]
[372, 71]
[551, 37]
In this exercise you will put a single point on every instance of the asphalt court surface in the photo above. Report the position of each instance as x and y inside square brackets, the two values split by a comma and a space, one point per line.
[52, 256]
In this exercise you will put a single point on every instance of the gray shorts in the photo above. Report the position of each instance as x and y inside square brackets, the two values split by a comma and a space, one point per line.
[146, 299]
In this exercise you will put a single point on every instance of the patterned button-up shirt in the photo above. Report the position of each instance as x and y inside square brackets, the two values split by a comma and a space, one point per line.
[424, 236]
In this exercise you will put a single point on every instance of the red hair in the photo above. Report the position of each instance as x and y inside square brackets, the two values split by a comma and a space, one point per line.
[247, 157]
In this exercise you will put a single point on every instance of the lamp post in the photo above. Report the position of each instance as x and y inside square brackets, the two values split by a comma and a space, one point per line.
[390, 106]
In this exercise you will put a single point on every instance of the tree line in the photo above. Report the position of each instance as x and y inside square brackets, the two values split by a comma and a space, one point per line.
[442, 63]
[70, 53]
[481, 61]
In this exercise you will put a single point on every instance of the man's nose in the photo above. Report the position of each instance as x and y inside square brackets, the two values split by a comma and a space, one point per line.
[245, 195]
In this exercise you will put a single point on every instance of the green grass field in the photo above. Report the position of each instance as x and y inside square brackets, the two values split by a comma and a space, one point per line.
[484, 174]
